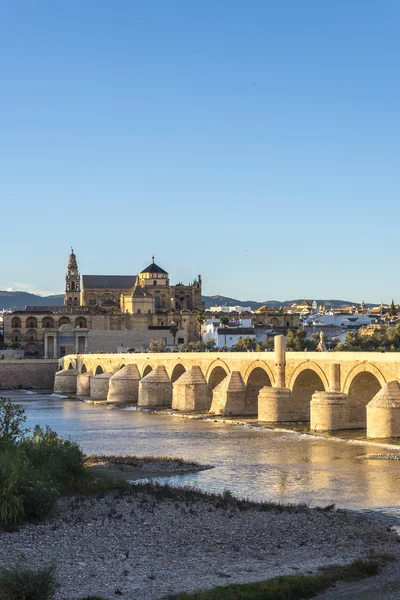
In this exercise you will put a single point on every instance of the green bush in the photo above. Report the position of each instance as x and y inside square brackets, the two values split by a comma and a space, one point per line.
[12, 418]
[13, 469]
[19, 582]
[39, 499]
[61, 460]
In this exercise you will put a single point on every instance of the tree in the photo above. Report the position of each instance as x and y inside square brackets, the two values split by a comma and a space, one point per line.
[209, 344]
[244, 344]
[200, 320]
[157, 346]
[173, 329]
[393, 310]
[224, 320]
[12, 419]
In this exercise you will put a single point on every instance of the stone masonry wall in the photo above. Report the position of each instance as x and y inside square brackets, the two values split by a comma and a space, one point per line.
[28, 373]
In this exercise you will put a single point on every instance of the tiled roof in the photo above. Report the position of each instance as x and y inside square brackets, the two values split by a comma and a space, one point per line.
[108, 281]
[153, 268]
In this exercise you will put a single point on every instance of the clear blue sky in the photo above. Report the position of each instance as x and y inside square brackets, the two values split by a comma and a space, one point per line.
[256, 143]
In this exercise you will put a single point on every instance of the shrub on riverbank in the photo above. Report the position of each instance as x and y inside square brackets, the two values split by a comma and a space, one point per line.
[19, 582]
[34, 469]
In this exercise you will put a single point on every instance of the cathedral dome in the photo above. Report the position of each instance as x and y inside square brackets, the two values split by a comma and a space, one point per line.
[153, 268]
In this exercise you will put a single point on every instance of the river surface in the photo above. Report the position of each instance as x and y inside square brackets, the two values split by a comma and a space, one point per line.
[251, 462]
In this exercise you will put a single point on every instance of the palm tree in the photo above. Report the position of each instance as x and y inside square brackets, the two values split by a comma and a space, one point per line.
[200, 320]
[224, 320]
[173, 329]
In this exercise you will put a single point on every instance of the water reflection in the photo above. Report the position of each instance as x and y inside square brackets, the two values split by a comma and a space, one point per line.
[251, 462]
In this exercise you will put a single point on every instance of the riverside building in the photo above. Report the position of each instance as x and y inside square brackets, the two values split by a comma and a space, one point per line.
[104, 312]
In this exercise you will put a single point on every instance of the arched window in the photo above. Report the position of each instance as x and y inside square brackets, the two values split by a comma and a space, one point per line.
[138, 312]
[16, 336]
[72, 285]
[158, 301]
[48, 323]
[63, 321]
[154, 282]
[80, 322]
[15, 322]
[31, 323]
[163, 301]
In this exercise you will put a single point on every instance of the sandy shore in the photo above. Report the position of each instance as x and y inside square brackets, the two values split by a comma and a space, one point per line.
[146, 545]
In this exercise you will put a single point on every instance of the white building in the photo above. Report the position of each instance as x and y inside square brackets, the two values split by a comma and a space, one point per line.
[227, 336]
[229, 309]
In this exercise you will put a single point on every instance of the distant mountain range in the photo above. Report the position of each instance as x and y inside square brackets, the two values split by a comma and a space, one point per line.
[18, 301]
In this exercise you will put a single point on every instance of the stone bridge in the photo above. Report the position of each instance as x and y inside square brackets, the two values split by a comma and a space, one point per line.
[330, 390]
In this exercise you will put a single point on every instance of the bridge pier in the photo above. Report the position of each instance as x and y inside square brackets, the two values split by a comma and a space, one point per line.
[124, 386]
[275, 405]
[229, 396]
[155, 389]
[329, 409]
[65, 381]
[190, 392]
[83, 383]
[98, 385]
[383, 412]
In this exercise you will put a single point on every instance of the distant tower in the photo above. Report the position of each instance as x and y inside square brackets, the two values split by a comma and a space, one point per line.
[72, 282]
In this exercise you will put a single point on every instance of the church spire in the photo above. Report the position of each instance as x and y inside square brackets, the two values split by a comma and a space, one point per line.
[72, 282]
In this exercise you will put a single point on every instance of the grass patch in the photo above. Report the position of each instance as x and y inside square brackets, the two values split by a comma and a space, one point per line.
[137, 461]
[225, 500]
[20, 582]
[291, 587]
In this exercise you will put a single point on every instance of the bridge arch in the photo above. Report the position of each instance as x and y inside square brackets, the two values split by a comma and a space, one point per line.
[84, 369]
[257, 376]
[216, 372]
[99, 370]
[177, 371]
[216, 363]
[147, 369]
[306, 379]
[361, 384]
[259, 364]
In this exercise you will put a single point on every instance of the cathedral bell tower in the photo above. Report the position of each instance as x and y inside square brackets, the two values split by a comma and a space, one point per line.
[72, 282]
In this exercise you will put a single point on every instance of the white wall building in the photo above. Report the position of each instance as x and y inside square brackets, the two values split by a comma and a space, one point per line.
[229, 309]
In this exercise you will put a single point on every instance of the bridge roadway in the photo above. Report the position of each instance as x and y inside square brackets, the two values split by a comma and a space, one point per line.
[277, 386]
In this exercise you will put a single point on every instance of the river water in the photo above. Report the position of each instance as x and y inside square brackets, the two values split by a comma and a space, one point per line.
[251, 462]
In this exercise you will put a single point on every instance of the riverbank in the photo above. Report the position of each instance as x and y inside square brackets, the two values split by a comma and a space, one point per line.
[151, 541]
[130, 468]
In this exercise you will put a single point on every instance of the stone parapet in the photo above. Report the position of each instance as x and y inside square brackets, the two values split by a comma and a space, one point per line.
[65, 381]
[155, 389]
[229, 396]
[99, 386]
[275, 405]
[190, 391]
[124, 386]
[383, 412]
[328, 411]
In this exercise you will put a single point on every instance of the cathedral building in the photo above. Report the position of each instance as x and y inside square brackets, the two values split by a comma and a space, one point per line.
[102, 313]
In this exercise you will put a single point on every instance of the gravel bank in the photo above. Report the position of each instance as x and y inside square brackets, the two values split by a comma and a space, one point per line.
[142, 546]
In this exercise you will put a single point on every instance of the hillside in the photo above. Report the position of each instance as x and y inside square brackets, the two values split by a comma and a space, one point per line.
[224, 301]
[18, 301]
